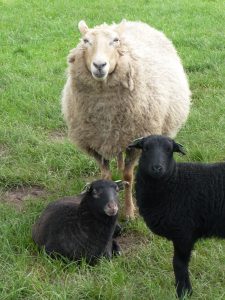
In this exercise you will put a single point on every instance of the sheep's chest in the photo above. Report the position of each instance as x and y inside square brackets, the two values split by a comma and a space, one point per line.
[160, 215]
[108, 123]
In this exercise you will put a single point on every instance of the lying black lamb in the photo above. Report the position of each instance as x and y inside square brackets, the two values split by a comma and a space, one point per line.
[82, 226]
[180, 201]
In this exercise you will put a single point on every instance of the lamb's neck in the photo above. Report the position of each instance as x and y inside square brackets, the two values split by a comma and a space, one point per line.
[151, 192]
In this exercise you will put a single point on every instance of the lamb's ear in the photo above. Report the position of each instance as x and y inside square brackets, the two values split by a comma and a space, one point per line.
[178, 148]
[82, 26]
[86, 188]
[121, 184]
[138, 143]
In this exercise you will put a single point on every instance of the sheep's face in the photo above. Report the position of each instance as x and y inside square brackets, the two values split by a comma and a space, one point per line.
[104, 197]
[100, 50]
[157, 155]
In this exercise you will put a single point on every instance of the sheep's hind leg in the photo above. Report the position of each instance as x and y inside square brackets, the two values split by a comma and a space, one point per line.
[130, 161]
[120, 162]
[182, 254]
[103, 164]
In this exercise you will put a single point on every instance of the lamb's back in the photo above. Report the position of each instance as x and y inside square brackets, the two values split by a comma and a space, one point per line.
[53, 217]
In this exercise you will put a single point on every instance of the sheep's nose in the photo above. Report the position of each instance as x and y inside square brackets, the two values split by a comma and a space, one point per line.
[157, 168]
[99, 66]
[111, 208]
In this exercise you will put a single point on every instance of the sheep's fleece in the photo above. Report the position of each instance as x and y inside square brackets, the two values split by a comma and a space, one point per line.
[147, 92]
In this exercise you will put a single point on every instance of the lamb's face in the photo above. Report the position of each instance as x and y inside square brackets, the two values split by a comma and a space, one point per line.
[100, 50]
[156, 158]
[104, 197]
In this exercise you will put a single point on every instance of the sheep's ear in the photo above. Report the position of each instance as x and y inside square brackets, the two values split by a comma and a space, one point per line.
[121, 184]
[71, 57]
[82, 26]
[138, 143]
[86, 188]
[121, 26]
[178, 148]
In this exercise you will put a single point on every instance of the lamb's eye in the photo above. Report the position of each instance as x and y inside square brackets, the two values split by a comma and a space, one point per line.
[116, 40]
[86, 41]
[95, 193]
[168, 149]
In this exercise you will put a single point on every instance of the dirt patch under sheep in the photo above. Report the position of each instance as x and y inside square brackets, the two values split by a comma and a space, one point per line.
[132, 240]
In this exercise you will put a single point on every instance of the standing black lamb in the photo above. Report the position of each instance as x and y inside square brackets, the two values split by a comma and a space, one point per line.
[82, 226]
[180, 201]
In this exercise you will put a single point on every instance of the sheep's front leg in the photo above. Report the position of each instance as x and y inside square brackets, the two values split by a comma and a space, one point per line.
[182, 254]
[116, 249]
[103, 164]
[117, 231]
[130, 161]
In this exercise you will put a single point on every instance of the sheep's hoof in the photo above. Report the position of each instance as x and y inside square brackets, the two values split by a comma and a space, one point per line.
[116, 249]
[184, 291]
[118, 253]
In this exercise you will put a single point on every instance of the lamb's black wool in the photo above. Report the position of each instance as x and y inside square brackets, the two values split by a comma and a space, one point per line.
[180, 201]
[82, 226]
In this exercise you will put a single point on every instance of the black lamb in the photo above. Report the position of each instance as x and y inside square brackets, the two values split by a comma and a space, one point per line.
[180, 201]
[82, 226]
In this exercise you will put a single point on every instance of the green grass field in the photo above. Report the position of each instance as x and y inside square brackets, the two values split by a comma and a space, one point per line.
[35, 39]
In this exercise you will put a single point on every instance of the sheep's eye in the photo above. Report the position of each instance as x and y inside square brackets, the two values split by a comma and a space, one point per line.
[86, 41]
[116, 40]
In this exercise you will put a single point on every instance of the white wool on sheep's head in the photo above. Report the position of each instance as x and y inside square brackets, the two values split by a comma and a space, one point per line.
[101, 46]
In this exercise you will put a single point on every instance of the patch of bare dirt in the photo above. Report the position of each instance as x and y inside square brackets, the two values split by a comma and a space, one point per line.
[18, 195]
[58, 136]
[131, 240]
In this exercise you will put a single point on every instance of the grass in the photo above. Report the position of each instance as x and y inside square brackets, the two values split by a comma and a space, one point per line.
[35, 39]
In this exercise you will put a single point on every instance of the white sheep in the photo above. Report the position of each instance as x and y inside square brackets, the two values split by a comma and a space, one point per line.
[124, 81]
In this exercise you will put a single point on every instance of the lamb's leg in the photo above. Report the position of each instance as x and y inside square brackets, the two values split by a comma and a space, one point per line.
[120, 162]
[130, 161]
[116, 249]
[103, 164]
[182, 254]
[117, 231]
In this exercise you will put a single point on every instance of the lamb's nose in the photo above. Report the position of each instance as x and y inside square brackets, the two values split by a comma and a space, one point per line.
[99, 66]
[157, 168]
[111, 208]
